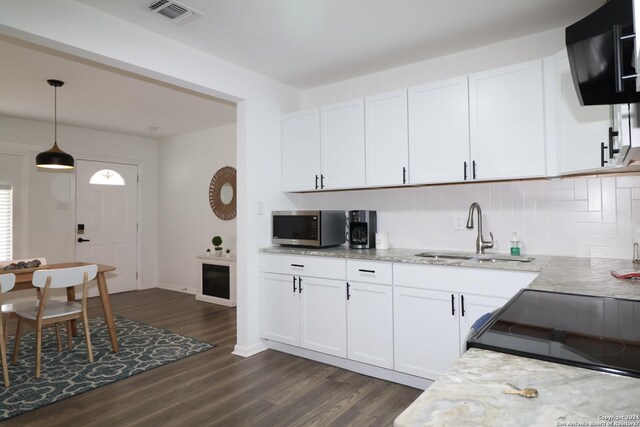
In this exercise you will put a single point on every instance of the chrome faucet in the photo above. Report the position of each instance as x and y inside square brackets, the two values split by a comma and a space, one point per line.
[481, 244]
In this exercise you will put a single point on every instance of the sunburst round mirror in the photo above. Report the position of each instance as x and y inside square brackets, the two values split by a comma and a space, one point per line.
[222, 193]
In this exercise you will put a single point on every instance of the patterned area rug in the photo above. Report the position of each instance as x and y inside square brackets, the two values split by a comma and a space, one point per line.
[65, 374]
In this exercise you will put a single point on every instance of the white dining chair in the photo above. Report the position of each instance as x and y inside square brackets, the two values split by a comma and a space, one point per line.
[7, 282]
[55, 312]
[8, 309]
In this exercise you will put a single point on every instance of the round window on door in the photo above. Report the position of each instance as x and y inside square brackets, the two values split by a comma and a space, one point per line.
[107, 177]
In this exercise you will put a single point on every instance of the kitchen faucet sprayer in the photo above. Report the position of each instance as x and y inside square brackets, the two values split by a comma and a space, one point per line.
[481, 244]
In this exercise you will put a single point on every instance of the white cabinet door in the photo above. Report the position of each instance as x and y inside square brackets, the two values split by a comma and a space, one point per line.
[439, 132]
[342, 145]
[280, 310]
[426, 333]
[386, 136]
[300, 150]
[507, 126]
[580, 130]
[370, 323]
[323, 316]
[472, 307]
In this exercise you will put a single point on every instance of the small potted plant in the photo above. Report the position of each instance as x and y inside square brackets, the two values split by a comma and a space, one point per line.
[217, 245]
[227, 252]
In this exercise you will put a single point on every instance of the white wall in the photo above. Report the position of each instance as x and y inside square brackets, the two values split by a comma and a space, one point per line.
[491, 56]
[186, 221]
[77, 29]
[50, 227]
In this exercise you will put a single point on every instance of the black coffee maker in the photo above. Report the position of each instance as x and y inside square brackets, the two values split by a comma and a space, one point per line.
[362, 229]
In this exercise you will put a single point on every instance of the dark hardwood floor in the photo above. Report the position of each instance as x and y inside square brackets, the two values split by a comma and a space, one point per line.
[216, 388]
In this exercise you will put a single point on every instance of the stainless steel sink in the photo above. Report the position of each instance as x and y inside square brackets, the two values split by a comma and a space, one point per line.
[475, 258]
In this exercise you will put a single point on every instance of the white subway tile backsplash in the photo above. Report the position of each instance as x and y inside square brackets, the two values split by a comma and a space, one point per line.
[598, 217]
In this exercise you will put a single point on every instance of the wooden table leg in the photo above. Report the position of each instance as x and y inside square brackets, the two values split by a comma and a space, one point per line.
[71, 296]
[106, 307]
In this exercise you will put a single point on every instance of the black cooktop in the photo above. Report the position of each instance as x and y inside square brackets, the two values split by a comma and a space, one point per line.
[586, 331]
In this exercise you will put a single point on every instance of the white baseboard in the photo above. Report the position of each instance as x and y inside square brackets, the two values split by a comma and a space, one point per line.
[249, 350]
[350, 365]
[175, 288]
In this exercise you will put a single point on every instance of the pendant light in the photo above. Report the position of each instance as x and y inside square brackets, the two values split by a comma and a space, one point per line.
[54, 158]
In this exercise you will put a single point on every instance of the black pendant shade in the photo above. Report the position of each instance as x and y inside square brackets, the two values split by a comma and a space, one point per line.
[55, 158]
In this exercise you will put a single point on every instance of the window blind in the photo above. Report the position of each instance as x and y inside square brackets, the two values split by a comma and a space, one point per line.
[6, 222]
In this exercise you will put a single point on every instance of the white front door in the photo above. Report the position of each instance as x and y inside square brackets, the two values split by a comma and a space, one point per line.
[106, 219]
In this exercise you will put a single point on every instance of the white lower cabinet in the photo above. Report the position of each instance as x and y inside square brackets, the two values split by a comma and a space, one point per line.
[370, 323]
[426, 337]
[410, 318]
[323, 315]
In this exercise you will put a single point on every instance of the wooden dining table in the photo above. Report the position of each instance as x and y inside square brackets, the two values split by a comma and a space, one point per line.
[23, 281]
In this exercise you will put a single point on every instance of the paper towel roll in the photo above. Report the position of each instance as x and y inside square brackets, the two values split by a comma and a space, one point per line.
[382, 241]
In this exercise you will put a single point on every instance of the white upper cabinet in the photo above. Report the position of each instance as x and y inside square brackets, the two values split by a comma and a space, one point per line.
[439, 132]
[581, 131]
[386, 136]
[342, 145]
[507, 128]
[301, 150]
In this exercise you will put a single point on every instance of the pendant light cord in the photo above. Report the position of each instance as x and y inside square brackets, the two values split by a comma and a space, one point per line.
[55, 115]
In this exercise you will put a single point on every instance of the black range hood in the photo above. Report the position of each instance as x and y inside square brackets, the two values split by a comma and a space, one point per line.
[601, 50]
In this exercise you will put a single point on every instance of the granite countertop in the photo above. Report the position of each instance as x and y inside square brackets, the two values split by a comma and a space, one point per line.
[471, 391]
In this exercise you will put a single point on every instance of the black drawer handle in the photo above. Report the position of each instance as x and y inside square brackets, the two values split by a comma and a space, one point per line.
[404, 175]
[316, 182]
[348, 294]
[300, 284]
[366, 271]
[602, 160]
[297, 265]
[294, 285]
[453, 305]
[465, 171]
[462, 304]
[473, 164]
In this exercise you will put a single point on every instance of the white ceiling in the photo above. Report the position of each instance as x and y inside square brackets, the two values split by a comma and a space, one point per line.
[309, 43]
[303, 43]
[99, 98]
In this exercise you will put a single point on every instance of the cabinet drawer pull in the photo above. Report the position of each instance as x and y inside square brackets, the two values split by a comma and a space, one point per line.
[453, 305]
[602, 160]
[473, 166]
[348, 294]
[294, 285]
[297, 265]
[361, 270]
[321, 181]
[316, 182]
[462, 305]
[404, 175]
[465, 171]
[300, 284]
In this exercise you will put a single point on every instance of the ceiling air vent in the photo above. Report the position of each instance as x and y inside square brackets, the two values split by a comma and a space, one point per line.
[174, 11]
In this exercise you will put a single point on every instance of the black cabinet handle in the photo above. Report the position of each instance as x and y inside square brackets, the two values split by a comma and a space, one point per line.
[297, 265]
[321, 181]
[294, 285]
[465, 171]
[602, 160]
[404, 175]
[300, 284]
[453, 305]
[473, 165]
[462, 304]
[80, 240]
[348, 294]
[316, 182]
[367, 271]
[612, 151]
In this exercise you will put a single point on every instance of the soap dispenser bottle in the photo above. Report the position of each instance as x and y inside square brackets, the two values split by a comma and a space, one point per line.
[515, 245]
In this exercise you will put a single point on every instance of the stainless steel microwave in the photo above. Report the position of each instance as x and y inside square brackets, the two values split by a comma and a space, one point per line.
[309, 228]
